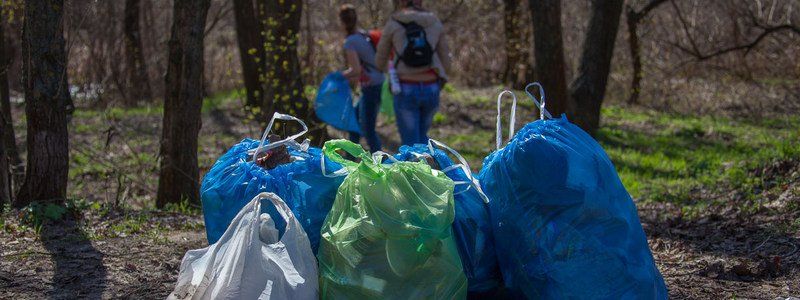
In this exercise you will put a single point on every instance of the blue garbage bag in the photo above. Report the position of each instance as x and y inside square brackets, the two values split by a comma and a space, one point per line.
[564, 225]
[234, 179]
[334, 103]
[472, 226]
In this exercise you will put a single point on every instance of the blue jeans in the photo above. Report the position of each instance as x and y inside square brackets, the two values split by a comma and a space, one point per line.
[367, 112]
[414, 107]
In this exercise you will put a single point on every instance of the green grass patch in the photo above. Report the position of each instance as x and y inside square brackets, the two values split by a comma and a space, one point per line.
[217, 100]
[664, 157]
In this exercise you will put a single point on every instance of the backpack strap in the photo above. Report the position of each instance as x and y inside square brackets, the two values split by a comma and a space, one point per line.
[368, 65]
[368, 38]
[405, 25]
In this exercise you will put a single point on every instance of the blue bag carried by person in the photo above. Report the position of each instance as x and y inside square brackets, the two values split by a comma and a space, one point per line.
[471, 226]
[235, 178]
[334, 103]
[564, 225]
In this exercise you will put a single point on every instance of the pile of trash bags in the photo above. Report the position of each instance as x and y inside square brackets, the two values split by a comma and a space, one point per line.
[546, 217]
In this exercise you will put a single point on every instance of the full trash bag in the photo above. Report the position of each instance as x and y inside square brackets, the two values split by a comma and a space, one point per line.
[235, 177]
[242, 265]
[565, 227]
[472, 226]
[334, 103]
[388, 235]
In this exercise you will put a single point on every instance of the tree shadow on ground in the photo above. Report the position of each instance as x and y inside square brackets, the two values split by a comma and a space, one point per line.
[78, 272]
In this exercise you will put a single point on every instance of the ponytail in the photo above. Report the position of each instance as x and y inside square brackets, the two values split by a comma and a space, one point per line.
[348, 16]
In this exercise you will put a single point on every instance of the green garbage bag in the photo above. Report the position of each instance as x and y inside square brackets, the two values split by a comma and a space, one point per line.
[388, 235]
[387, 100]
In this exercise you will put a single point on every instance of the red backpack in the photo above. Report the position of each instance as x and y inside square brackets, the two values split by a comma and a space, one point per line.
[373, 36]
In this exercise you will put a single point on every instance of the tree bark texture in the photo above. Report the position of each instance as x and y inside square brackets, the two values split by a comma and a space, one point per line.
[636, 56]
[47, 103]
[251, 50]
[5, 180]
[283, 84]
[179, 177]
[7, 134]
[138, 87]
[5, 121]
[549, 53]
[518, 71]
[589, 87]
[633, 19]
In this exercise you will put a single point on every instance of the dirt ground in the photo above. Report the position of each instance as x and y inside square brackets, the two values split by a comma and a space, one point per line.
[722, 255]
[724, 252]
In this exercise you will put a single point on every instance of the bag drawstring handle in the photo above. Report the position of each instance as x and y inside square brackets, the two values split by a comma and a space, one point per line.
[422, 157]
[280, 206]
[291, 140]
[378, 156]
[512, 118]
[464, 166]
[539, 103]
[329, 149]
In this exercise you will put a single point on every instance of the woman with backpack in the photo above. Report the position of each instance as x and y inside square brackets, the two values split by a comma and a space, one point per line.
[421, 58]
[359, 53]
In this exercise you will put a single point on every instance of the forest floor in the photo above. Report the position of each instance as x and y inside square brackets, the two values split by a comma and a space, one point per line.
[719, 199]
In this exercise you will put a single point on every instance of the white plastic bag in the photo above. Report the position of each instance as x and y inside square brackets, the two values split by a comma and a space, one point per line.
[241, 266]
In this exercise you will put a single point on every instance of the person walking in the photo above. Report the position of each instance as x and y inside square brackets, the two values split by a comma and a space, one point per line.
[422, 57]
[360, 58]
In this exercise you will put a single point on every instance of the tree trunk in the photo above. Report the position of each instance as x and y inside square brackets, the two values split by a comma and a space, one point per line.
[633, 18]
[183, 99]
[251, 50]
[5, 180]
[9, 139]
[636, 57]
[138, 87]
[549, 53]
[283, 88]
[5, 121]
[589, 87]
[47, 103]
[518, 68]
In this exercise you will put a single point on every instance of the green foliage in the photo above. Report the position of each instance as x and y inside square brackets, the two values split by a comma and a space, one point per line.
[449, 89]
[183, 207]
[223, 99]
[439, 119]
[130, 225]
[37, 214]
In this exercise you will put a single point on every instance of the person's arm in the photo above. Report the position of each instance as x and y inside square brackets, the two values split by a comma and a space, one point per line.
[384, 49]
[353, 71]
[443, 50]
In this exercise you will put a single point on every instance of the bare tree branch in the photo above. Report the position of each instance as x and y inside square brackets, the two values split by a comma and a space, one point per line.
[685, 27]
[638, 15]
[222, 12]
[746, 47]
